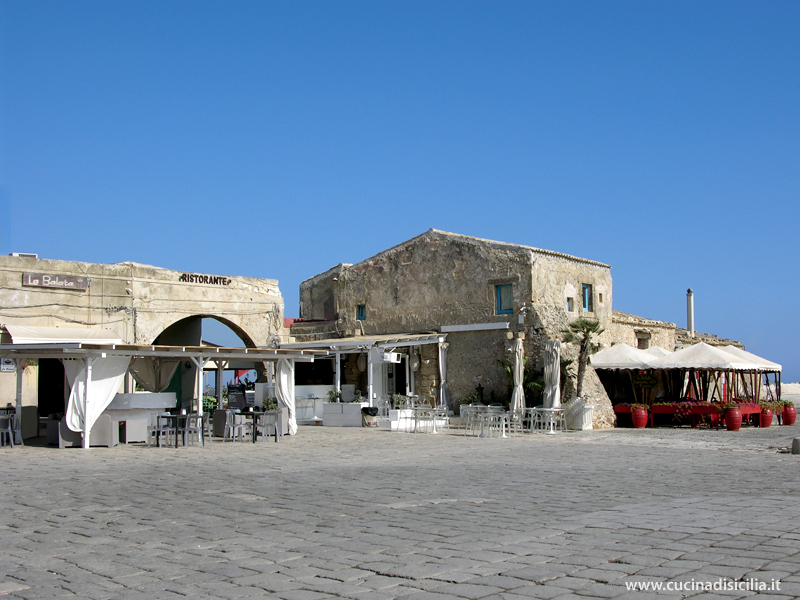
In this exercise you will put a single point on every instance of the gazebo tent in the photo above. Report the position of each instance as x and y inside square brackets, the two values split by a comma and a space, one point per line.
[620, 370]
[621, 356]
[658, 351]
[702, 371]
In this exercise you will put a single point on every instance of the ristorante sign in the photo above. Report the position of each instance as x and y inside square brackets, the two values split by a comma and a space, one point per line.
[207, 279]
[64, 282]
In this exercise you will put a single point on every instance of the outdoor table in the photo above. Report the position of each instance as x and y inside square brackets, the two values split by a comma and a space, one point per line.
[176, 421]
[550, 419]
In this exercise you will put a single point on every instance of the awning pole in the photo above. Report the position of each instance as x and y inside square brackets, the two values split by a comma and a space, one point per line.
[86, 429]
[369, 377]
[199, 362]
[338, 372]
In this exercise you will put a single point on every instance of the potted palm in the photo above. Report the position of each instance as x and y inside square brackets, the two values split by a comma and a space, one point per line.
[582, 332]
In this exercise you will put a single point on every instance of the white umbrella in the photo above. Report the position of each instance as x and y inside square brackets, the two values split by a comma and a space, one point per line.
[518, 397]
[552, 373]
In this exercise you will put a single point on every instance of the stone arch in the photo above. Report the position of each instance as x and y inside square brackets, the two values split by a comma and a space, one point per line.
[240, 332]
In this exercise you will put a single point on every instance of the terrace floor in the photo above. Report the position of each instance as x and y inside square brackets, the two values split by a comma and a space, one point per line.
[368, 514]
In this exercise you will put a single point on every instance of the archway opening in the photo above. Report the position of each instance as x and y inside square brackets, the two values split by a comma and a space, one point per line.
[217, 378]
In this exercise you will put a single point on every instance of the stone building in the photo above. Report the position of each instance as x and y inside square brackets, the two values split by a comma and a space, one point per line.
[141, 304]
[479, 294]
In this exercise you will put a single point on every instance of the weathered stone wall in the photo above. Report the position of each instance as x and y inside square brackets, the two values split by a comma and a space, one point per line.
[137, 302]
[624, 329]
[318, 295]
[683, 339]
[427, 377]
[428, 282]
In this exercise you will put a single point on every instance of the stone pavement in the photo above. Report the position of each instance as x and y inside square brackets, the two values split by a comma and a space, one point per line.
[368, 514]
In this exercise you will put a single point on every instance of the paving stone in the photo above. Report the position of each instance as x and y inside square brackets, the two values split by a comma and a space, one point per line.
[340, 516]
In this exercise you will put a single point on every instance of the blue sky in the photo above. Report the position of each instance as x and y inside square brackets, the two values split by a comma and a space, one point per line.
[278, 139]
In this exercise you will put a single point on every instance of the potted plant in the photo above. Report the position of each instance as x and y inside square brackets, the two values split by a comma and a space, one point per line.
[733, 416]
[639, 415]
[789, 412]
[334, 396]
[269, 404]
[768, 410]
[357, 397]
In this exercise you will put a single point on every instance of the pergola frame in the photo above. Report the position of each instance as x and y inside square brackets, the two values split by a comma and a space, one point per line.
[90, 352]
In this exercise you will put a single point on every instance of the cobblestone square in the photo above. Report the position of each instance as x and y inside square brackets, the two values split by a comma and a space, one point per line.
[368, 514]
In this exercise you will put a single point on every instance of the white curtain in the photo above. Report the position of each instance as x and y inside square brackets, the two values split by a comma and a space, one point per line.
[154, 373]
[552, 374]
[107, 376]
[284, 389]
[518, 396]
[444, 393]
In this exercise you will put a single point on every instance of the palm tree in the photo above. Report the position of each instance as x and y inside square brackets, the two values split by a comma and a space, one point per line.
[582, 331]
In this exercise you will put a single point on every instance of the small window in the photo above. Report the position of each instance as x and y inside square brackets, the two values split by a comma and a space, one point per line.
[588, 305]
[505, 299]
[600, 298]
[570, 304]
[361, 312]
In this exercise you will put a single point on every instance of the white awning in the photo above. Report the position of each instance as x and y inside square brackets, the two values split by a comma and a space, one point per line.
[704, 356]
[22, 334]
[621, 356]
[763, 363]
[658, 351]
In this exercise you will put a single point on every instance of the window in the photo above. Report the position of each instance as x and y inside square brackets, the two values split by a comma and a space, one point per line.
[600, 298]
[570, 304]
[505, 299]
[588, 305]
[361, 312]
[642, 340]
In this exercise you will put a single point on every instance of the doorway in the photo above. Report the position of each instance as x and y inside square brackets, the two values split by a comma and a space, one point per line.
[52, 387]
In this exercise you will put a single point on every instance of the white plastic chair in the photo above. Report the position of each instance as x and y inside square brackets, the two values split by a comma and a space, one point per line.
[236, 427]
[269, 424]
[6, 430]
[163, 428]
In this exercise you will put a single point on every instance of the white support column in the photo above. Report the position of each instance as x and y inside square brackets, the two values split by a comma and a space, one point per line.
[19, 364]
[87, 430]
[369, 376]
[408, 373]
[200, 363]
[338, 372]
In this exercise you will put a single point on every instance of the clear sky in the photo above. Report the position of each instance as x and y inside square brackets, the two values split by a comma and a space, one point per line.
[271, 139]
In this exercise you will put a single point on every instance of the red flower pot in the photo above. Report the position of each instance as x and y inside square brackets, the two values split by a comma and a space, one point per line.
[765, 420]
[789, 415]
[733, 419]
[639, 417]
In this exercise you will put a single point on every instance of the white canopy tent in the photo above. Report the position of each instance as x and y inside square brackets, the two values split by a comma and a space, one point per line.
[621, 356]
[95, 369]
[658, 351]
